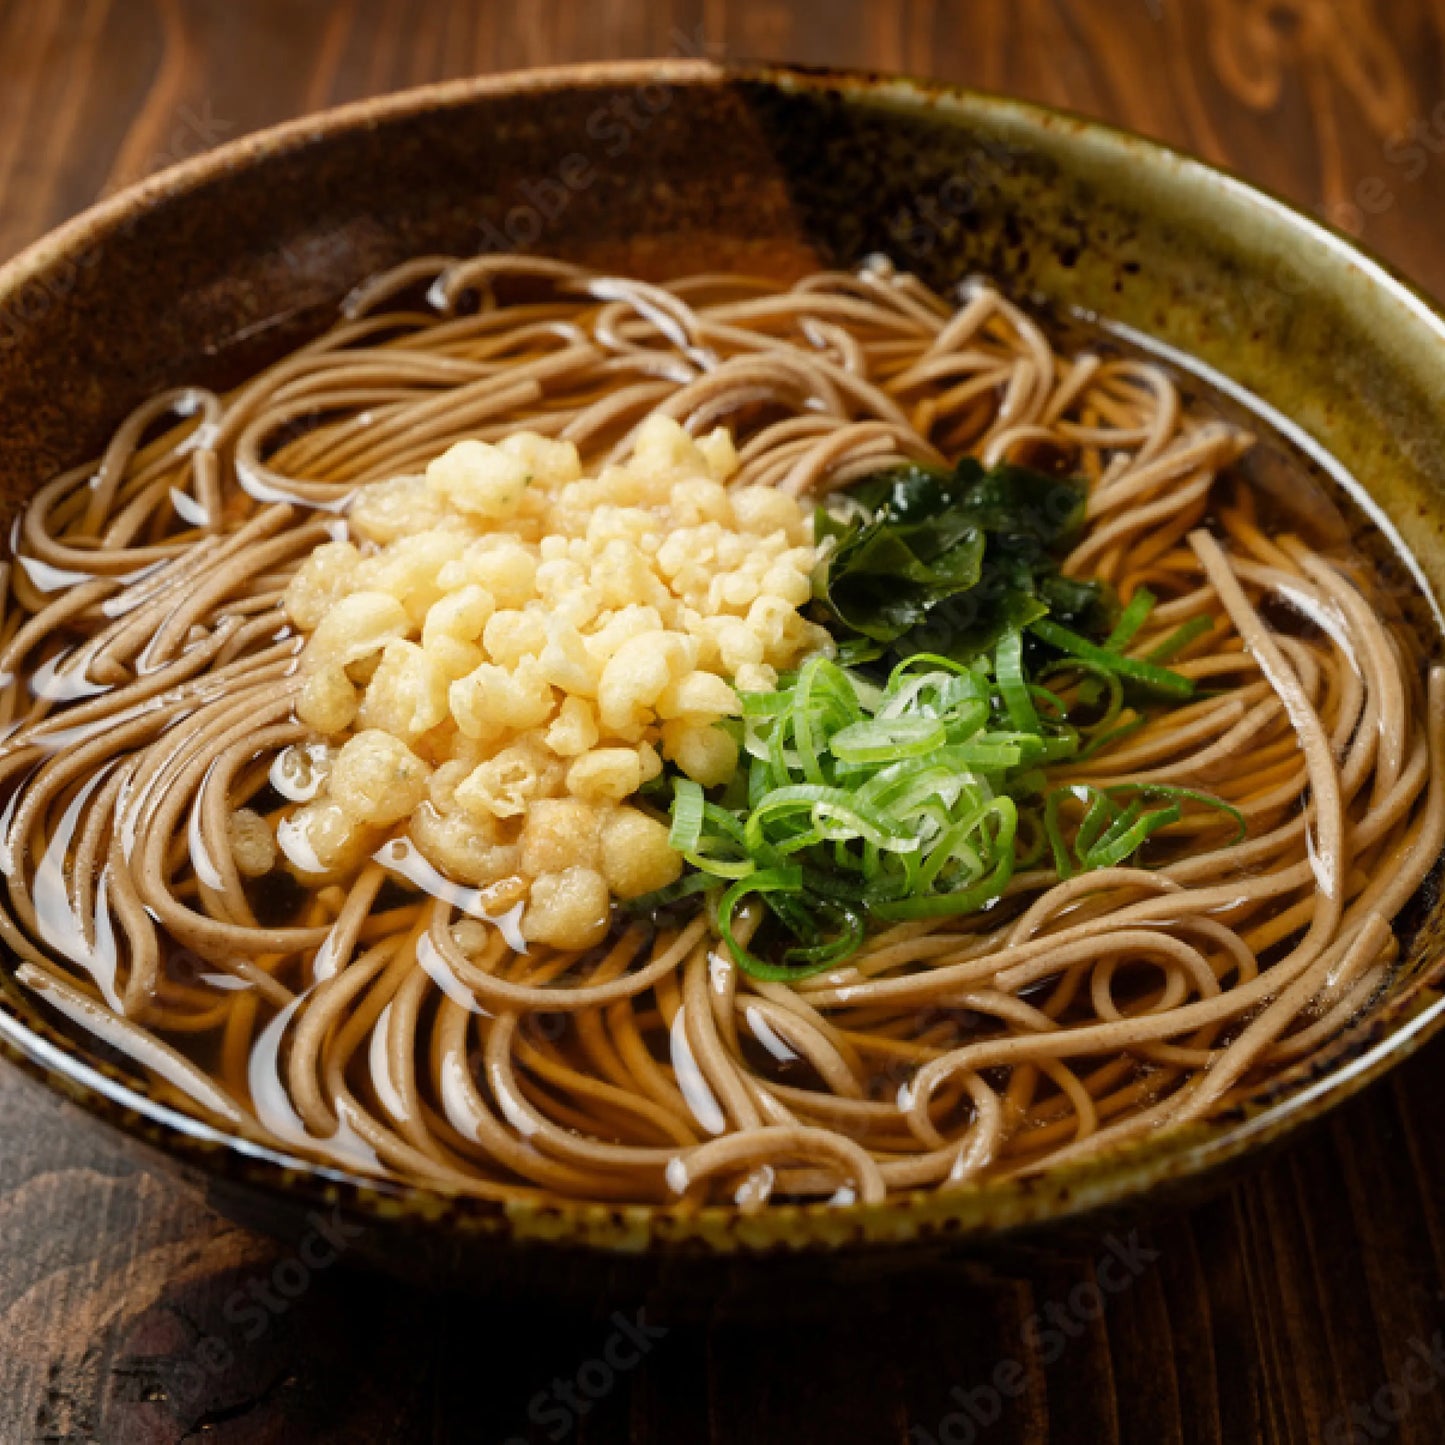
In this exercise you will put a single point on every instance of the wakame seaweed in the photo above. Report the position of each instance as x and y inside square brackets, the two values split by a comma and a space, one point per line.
[920, 559]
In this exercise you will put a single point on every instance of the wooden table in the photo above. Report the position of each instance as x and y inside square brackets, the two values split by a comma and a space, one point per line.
[1305, 1304]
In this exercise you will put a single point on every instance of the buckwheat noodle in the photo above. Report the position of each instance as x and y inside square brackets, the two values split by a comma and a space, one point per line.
[148, 686]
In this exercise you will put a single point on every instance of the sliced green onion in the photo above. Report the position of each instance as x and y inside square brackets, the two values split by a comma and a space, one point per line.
[1122, 840]
[687, 806]
[886, 742]
[1112, 829]
[785, 881]
[1160, 679]
[1192, 795]
[1104, 678]
[973, 896]
[1133, 617]
[857, 801]
[1009, 669]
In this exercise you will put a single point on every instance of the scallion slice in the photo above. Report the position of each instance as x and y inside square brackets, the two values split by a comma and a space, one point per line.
[918, 798]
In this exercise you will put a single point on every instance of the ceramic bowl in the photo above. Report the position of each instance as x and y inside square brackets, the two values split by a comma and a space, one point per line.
[209, 270]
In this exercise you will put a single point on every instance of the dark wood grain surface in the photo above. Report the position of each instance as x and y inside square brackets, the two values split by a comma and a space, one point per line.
[1305, 1304]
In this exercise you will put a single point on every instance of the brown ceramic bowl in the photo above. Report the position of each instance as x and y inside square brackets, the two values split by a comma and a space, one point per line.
[205, 272]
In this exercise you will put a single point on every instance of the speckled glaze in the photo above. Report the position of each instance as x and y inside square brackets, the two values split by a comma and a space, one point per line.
[209, 270]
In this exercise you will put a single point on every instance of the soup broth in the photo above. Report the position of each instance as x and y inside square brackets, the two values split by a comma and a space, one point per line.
[562, 736]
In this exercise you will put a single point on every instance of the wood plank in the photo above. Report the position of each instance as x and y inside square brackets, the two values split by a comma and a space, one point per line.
[130, 1313]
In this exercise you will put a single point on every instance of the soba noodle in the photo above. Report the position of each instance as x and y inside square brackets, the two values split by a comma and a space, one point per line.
[150, 680]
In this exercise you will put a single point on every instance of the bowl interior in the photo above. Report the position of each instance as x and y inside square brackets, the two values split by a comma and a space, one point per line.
[209, 271]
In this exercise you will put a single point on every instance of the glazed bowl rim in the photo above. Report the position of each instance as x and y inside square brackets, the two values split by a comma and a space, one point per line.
[1379, 1039]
